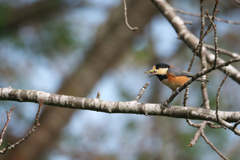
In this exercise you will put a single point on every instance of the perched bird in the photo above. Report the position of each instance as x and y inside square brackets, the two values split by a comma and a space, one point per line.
[171, 76]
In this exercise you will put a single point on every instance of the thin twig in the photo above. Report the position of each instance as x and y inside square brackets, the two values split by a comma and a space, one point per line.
[38, 113]
[193, 124]
[223, 51]
[36, 124]
[188, 22]
[197, 134]
[198, 15]
[6, 124]
[236, 124]
[201, 127]
[215, 38]
[213, 147]
[187, 89]
[217, 98]
[126, 19]
[209, 29]
[228, 125]
[211, 26]
[192, 60]
[212, 125]
[203, 63]
[194, 55]
[203, 60]
[142, 91]
[98, 95]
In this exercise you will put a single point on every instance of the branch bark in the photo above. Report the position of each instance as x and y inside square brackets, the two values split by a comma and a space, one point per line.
[131, 107]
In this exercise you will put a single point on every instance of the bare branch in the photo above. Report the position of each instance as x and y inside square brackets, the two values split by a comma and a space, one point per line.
[199, 48]
[193, 124]
[217, 98]
[213, 147]
[212, 125]
[6, 124]
[215, 37]
[198, 15]
[228, 125]
[197, 134]
[223, 51]
[142, 91]
[126, 19]
[38, 113]
[3, 151]
[236, 124]
[188, 22]
[130, 107]
[204, 85]
[203, 58]
[98, 95]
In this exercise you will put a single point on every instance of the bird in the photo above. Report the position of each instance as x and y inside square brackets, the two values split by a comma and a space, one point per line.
[171, 76]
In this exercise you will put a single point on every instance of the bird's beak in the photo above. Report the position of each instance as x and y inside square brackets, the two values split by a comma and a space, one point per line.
[151, 72]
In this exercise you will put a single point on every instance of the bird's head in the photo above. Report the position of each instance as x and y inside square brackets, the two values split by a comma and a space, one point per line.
[158, 69]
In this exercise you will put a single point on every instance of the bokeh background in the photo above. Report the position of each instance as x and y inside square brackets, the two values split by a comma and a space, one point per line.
[81, 47]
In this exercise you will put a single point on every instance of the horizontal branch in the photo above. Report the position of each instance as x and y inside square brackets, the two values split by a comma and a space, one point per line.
[131, 107]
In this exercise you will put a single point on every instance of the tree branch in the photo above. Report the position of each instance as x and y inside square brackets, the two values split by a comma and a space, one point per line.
[198, 15]
[131, 107]
[223, 51]
[126, 19]
[217, 97]
[141, 92]
[36, 124]
[213, 147]
[6, 124]
[197, 134]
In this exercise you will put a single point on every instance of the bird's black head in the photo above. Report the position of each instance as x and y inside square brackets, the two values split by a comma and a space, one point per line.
[162, 65]
[159, 69]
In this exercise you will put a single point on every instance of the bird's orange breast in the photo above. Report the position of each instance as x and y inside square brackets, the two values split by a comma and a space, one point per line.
[174, 82]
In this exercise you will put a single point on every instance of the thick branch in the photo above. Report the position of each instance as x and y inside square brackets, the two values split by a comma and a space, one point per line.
[131, 107]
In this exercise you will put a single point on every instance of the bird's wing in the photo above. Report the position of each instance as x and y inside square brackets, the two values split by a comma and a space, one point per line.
[179, 72]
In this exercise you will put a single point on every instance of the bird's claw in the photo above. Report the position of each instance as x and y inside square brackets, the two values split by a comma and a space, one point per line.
[176, 91]
[164, 105]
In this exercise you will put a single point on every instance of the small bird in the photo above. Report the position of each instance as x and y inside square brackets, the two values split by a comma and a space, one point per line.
[171, 76]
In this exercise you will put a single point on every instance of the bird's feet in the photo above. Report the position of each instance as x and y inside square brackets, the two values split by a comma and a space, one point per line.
[164, 105]
[176, 91]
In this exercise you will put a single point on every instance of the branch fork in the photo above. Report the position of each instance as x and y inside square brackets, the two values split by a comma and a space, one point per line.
[36, 124]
